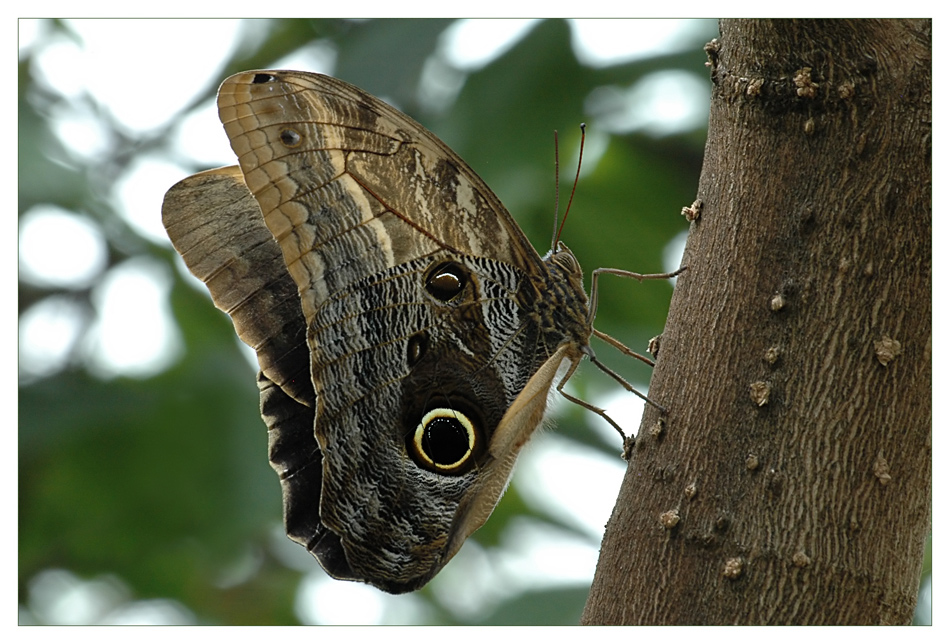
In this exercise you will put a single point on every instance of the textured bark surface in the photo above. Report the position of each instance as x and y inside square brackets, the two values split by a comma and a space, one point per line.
[790, 483]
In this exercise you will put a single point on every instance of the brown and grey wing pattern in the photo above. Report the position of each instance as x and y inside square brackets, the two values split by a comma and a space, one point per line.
[216, 226]
[415, 285]
[308, 142]
[375, 390]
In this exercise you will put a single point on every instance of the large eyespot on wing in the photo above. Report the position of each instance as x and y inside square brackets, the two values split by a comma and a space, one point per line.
[411, 381]
[446, 441]
[446, 282]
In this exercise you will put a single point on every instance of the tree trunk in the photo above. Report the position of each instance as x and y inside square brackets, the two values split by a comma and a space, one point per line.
[790, 482]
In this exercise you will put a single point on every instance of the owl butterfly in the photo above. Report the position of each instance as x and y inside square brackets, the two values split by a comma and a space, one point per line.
[407, 332]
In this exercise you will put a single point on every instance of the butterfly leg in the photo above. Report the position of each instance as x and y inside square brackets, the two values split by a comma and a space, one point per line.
[628, 440]
[613, 341]
[622, 273]
[620, 346]
[626, 385]
[583, 403]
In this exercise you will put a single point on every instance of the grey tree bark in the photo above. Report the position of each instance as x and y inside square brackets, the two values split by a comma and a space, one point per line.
[790, 482]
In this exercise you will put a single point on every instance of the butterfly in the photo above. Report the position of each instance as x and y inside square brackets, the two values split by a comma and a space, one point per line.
[407, 332]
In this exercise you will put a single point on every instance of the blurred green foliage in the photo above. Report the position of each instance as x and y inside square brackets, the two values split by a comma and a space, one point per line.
[164, 481]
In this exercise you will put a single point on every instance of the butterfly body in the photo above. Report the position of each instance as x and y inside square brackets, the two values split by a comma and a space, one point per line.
[407, 331]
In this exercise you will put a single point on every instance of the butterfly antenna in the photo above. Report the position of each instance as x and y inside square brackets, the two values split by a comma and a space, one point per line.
[577, 176]
[557, 192]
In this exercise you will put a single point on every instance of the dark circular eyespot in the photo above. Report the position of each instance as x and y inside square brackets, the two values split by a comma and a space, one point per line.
[444, 441]
[290, 137]
[446, 281]
[418, 344]
[260, 79]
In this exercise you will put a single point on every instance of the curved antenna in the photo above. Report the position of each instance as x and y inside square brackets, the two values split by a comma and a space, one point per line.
[557, 192]
[557, 235]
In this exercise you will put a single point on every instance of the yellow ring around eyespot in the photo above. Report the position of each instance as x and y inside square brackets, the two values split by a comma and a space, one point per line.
[444, 412]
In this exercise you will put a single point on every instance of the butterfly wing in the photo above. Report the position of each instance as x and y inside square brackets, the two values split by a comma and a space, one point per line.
[421, 301]
[215, 225]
